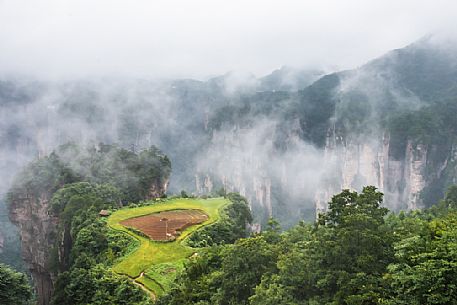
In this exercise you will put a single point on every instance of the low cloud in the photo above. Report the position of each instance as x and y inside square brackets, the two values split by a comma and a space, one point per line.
[169, 39]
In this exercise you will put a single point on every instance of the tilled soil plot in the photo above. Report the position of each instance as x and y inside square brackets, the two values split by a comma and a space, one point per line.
[166, 225]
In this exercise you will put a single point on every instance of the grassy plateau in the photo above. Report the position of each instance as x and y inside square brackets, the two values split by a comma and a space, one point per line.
[154, 264]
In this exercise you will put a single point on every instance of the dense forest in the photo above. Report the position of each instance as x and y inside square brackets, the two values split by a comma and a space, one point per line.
[356, 253]
[132, 173]
[14, 287]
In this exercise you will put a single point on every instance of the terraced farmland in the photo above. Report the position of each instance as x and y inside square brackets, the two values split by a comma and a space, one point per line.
[157, 259]
[166, 225]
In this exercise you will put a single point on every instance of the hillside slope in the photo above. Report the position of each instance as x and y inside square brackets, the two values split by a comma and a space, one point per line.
[386, 123]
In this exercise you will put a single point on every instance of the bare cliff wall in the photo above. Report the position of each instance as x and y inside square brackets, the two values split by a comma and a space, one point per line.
[232, 163]
[37, 232]
[360, 162]
[311, 177]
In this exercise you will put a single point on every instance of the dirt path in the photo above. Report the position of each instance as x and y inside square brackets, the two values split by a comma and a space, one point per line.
[148, 292]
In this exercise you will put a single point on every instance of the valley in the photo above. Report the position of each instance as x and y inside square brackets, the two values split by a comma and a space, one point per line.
[302, 186]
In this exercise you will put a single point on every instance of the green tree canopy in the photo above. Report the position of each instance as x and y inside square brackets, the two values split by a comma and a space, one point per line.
[14, 287]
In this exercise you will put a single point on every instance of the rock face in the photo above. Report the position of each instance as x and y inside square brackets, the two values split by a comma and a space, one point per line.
[37, 230]
[158, 189]
[346, 162]
[360, 162]
[2, 242]
[256, 189]
[411, 178]
[236, 166]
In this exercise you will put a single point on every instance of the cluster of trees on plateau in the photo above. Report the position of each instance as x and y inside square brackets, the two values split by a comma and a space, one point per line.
[230, 227]
[132, 173]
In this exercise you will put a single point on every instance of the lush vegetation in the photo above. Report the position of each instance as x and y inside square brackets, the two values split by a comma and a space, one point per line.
[74, 184]
[77, 206]
[132, 173]
[230, 227]
[356, 253]
[155, 264]
[110, 264]
[14, 287]
[84, 275]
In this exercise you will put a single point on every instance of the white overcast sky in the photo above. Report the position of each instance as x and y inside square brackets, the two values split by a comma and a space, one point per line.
[188, 38]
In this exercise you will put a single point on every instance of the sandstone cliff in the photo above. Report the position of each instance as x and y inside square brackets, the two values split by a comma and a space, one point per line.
[244, 161]
[37, 230]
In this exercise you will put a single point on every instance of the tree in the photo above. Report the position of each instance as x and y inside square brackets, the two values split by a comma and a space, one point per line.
[426, 268]
[232, 225]
[272, 232]
[341, 261]
[243, 266]
[451, 196]
[83, 194]
[14, 287]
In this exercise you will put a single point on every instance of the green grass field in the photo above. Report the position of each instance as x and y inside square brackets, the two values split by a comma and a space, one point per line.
[161, 260]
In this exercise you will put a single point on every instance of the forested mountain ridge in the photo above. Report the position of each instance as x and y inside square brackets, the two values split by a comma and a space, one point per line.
[392, 116]
[387, 123]
[284, 143]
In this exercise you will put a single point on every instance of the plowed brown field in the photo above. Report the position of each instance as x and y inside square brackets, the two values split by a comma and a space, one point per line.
[166, 225]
